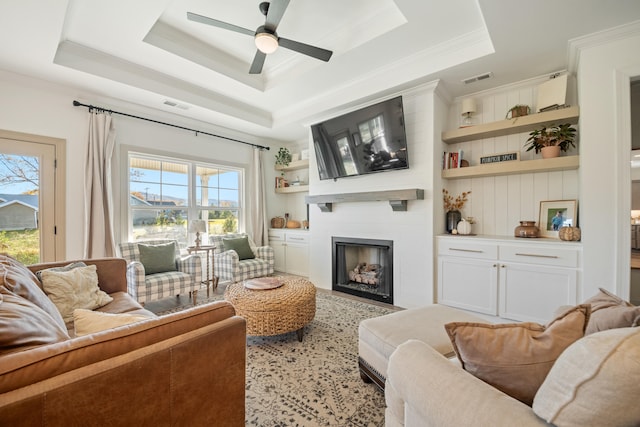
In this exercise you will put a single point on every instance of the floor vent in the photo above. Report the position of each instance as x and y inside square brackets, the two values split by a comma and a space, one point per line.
[477, 78]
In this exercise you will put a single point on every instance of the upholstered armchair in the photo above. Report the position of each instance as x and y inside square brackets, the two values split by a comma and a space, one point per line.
[238, 264]
[155, 270]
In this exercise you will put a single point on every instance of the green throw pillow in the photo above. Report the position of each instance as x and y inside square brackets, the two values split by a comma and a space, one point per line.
[158, 258]
[241, 246]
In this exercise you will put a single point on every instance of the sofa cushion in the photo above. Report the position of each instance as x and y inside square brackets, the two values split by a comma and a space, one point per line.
[24, 325]
[516, 357]
[18, 279]
[88, 322]
[67, 267]
[158, 258]
[241, 246]
[77, 288]
[594, 382]
[609, 311]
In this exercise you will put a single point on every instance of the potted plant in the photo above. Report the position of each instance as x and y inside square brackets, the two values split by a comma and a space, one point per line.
[551, 140]
[283, 157]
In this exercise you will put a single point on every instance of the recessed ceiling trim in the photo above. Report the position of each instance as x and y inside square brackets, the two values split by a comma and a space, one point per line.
[83, 58]
[176, 42]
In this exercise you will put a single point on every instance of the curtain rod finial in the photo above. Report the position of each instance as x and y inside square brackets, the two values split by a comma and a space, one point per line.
[76, 103]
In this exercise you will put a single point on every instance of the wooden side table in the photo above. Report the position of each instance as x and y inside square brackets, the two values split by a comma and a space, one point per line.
[211, 278]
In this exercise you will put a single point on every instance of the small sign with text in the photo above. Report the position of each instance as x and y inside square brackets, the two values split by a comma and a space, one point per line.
[497, 158]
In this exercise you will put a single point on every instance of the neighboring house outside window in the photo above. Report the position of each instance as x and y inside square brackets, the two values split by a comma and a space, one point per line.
[166, 193]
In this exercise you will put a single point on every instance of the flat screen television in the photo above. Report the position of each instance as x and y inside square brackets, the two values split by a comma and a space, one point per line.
[368, 140]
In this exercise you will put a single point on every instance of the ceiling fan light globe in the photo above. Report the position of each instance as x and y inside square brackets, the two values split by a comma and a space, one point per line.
[266, 43]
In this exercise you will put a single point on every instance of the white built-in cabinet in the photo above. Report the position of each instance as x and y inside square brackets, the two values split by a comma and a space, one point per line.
[508, 277]
[291, 249]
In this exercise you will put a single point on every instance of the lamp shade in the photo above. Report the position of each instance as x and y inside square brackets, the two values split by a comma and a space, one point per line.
[468, 106]
[198, 226]
[266, 43]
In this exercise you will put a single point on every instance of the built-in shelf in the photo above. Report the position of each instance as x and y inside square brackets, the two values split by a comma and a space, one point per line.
[293, 189]
[396, 198]
[511, 126]
[514, 167]
[298, 164]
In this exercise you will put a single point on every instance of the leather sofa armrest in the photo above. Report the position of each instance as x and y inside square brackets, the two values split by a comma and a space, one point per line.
[425, 388]
[29, 367]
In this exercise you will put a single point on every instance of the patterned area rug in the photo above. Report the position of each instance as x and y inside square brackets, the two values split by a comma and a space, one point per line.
[314, 382]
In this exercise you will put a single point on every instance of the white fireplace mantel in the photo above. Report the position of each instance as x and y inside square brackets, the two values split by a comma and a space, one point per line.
[397, 198]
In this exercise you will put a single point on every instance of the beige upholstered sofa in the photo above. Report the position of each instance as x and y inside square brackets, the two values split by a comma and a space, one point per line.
[185, 368]
[582, 380]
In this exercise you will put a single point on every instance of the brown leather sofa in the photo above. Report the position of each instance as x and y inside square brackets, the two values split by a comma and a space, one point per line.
[185, 368]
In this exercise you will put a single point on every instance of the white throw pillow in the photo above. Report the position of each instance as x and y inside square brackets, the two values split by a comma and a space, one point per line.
[594, 382]
[77, 288]
[88, 322]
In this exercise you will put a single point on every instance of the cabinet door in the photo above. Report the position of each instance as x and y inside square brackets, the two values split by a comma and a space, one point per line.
[276, 241]
[532, 293]
[468, 283]
[297, 259]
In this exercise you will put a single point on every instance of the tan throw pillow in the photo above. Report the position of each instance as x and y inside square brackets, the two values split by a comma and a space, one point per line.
[516, 357]
[88, 322]
[24, 325]
[77, 288]
[17, 278]
[609, 311]
[594, 382]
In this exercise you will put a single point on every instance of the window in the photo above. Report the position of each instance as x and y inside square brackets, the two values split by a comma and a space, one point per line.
[166, 193]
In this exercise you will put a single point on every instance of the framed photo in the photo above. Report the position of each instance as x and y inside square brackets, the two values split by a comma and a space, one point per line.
[555, 214]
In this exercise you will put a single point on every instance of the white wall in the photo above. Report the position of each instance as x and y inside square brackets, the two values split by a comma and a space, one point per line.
[411, 231]
[604, 70]
[42, 108]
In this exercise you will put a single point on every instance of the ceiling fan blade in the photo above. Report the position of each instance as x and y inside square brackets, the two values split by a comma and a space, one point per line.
[274, 15]
[315, 52]
[214, 22]
[258, 62]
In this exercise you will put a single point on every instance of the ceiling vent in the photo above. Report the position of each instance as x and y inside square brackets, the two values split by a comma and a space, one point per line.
[175, 104]
[477, 78]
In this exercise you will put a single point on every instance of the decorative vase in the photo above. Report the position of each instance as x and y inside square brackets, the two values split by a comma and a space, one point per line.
[526, 229]
[550, 152]
[464, 227]
[453, 217]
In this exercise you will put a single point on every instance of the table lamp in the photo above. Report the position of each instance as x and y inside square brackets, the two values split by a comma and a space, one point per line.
[468, 108]
[198, 226]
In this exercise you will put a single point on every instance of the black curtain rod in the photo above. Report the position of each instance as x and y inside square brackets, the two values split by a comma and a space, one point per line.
[197, 132]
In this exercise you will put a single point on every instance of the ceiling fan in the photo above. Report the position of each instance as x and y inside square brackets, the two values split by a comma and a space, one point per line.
[266, 38]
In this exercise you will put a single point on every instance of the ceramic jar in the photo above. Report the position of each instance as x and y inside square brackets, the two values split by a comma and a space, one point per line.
[464, 227]
[526, 229]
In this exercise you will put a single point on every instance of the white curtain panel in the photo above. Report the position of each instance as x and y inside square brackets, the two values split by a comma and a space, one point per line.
[259, 230]
[98, 196]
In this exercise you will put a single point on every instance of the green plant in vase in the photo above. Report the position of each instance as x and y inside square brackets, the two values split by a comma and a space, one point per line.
[551, 140]
[283, 157]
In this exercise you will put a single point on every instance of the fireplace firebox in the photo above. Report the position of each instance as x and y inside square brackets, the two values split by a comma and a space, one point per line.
[363, 267]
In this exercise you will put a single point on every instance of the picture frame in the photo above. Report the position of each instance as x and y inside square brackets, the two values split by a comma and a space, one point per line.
[555, 214]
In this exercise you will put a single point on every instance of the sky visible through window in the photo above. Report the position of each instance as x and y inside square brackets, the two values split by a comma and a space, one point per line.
[15, 188]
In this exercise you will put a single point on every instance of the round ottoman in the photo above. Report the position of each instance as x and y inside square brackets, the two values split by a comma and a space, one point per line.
[275, 311]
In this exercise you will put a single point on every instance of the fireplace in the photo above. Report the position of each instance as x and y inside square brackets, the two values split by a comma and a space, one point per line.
[363, 267]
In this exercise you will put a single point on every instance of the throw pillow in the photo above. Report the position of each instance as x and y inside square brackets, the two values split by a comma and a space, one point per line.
[87, 322]
[158, 258]
[77, 288]
[17, 278]
[594, 382]
[64, 268]
[24, 325]
[516, 357]
[241, 246]
[609, 311]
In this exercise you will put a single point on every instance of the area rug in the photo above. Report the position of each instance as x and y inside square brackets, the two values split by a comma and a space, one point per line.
[314, 382]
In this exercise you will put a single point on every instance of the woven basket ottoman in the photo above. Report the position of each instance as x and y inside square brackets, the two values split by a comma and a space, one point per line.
[287, 308]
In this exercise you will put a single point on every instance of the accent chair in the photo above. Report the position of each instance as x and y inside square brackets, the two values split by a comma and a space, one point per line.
[230, 264]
